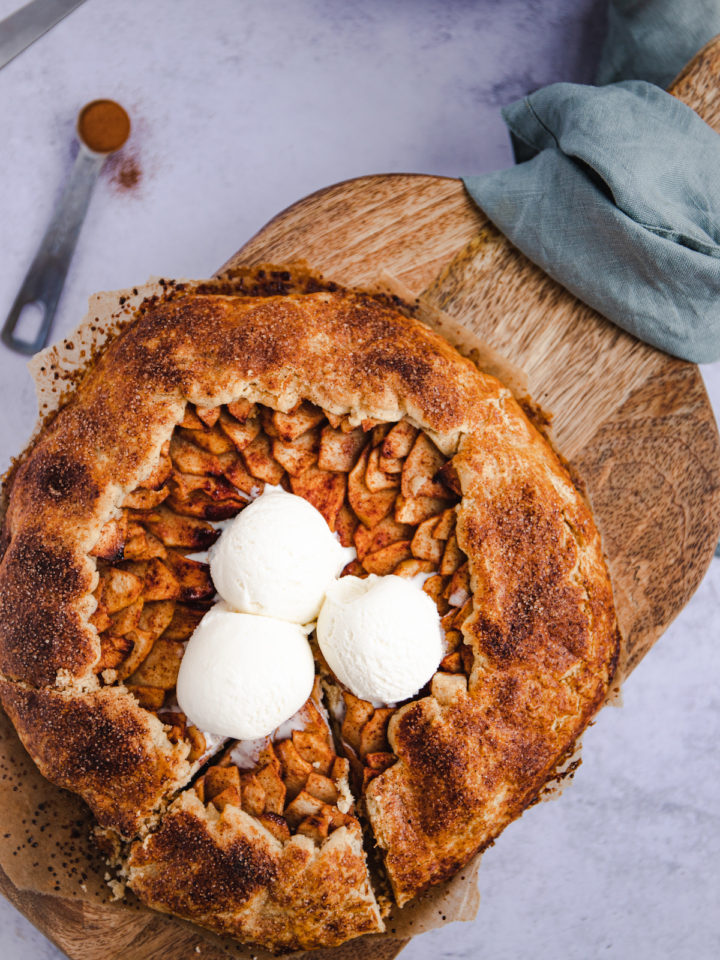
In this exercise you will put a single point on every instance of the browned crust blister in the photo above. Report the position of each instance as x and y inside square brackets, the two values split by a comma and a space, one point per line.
[521, 586]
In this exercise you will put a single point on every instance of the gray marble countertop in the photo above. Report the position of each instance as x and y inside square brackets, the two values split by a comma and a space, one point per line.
[240, 108]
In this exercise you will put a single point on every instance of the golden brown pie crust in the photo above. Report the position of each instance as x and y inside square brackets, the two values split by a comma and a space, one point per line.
[470, 756]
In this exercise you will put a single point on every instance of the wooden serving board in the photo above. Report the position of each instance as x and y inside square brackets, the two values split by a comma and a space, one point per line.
[635, 424]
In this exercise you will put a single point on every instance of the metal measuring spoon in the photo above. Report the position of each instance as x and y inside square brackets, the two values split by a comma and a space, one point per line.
[44, 281]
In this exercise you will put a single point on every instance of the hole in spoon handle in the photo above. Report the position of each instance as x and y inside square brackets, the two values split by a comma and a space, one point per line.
[20, 324]
[45, 279]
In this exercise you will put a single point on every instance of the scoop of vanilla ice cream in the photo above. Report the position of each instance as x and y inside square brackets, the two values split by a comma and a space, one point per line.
[277, 558]
[242, 675]
[381, 637]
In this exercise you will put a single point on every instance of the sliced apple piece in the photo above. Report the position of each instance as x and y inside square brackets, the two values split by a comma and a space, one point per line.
[323, 489]
[208, 415]
[312, 719]
[369, 424]
[383, 561]
[357, 714]
[175, 531]
[118, 588]
[445, 524]
[450, 478]
[190, 420]
[334, 419]
[453, 640]
[113, 650]
[419, 470]
[158, 582]
[299, 454]
[228, 797]
[295, 770]
[369, 507]
[451, 662]
[291, 425]
[268, 755]
[458, 590]
[346, 523]
[160, 667]
[373, 736]
[215, 441]
[189, 458]
[126, 619]
[253, 795]
[217, 488]
[271, 782]
[322, 787]
[316, 827]
[99, 618]
[142, 645]
[424, 544]
[339, 450]
[399, 441]
[412, 567]
[434, 586]
[193, 577]
[386, 532]
[260, 461]
[142, 499]
[156, 616]
[234, 469]
[142, 545]
[196, 739]
[314, 749]
[241, 409]
[240, 432]
[379, 433]
[375, 479]
[218, 779]
[391, 465]
[452, 558]
[417, 509]
[185, 619]
[161, 472]
[199, 504]
[463, 613]
[150, 698]
[276, 825]
[380, 761]
[111, 541]
[304, 805]
[354, 569]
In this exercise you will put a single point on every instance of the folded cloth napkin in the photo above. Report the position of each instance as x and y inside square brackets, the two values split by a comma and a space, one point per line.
[620, 199]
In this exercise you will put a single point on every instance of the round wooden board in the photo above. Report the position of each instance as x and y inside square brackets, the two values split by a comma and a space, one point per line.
[634, 423]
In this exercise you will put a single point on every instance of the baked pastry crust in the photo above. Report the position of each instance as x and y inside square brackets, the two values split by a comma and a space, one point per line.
[101, 745]
[224, 871]
[470, 756]
[545, 644]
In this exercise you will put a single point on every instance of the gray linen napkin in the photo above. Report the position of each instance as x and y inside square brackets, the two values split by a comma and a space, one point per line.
[621, 204]
[617, 192]
[618, 197]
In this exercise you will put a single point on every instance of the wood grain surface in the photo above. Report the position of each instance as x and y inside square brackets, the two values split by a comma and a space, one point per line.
[634, 423]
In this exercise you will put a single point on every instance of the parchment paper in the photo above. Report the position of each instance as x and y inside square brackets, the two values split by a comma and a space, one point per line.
[45, 844]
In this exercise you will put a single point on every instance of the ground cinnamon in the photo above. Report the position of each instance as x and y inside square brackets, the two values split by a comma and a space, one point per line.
[103, 126]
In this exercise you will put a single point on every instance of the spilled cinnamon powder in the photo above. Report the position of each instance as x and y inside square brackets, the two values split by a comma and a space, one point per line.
[128, 174]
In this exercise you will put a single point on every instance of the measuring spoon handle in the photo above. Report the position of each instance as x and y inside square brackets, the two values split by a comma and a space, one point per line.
[45, 278]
